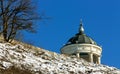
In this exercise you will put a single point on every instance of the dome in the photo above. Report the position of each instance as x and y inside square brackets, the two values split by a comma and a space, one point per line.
[81, 38]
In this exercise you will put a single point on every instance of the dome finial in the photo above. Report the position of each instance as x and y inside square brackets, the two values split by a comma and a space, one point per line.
[80, 21]
[81, 30]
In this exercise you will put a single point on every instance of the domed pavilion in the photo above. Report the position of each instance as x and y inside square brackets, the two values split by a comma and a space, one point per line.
[82, 46]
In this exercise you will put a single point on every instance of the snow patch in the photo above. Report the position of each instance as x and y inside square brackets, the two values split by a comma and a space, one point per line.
[46, 62]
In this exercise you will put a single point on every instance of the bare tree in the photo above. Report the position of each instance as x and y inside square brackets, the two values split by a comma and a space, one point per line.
[16, 15]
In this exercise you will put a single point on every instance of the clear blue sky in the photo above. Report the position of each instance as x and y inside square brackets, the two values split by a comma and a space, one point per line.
[101, 20]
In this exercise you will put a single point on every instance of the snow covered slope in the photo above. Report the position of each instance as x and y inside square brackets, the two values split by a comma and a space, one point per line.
[17, 59]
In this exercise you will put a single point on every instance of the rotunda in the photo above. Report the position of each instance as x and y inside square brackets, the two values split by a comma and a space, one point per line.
[82, 46]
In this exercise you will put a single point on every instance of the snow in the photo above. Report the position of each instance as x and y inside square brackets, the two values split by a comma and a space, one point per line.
[6, 64]
[40, 60]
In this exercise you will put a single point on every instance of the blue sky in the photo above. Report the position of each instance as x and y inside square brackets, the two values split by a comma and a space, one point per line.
[101, 20]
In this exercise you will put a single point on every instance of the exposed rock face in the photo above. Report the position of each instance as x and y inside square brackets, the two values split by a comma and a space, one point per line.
[16, 59]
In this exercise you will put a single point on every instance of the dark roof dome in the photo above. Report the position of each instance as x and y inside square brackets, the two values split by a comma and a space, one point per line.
[81, 38]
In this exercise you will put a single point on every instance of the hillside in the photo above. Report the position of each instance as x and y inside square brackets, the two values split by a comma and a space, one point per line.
[19, 59]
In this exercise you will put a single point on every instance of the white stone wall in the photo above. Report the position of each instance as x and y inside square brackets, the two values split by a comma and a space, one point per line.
[70, 49]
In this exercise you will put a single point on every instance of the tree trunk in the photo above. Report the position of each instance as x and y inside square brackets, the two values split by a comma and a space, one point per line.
[5, 31]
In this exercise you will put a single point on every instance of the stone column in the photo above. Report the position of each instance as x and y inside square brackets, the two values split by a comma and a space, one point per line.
[78, 55]
[99, 60]
[78, 52]
[91, 57]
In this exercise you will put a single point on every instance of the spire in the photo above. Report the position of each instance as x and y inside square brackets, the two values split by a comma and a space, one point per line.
[81, 29]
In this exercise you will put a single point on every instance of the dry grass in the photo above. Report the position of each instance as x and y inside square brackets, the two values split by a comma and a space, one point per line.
[15, 42]
[13, 70]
